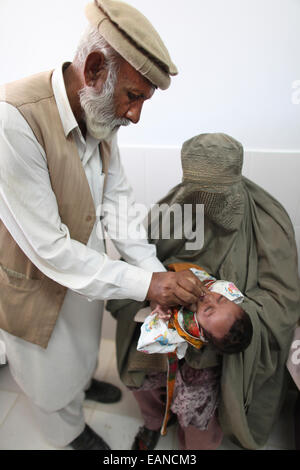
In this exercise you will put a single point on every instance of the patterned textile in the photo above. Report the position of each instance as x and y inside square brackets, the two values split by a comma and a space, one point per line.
[196, 396]
[196, 393]
[185, 329]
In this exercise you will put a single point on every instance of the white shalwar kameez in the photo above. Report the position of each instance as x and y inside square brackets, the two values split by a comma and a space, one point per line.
[54, 378]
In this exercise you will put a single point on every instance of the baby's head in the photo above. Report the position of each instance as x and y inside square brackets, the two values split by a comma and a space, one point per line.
[224, 323]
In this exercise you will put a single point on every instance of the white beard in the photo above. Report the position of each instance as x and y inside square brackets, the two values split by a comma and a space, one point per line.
[99, 110]
[99, 131]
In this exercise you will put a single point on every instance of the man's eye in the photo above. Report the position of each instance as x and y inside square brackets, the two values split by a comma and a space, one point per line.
[132, 97]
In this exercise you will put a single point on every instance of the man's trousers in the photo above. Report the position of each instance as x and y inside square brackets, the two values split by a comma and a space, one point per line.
[54, 379]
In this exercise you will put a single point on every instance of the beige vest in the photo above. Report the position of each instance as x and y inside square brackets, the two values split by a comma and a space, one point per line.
[29, 301]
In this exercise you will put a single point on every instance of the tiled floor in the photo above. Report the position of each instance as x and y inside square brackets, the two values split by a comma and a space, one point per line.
[117, 423]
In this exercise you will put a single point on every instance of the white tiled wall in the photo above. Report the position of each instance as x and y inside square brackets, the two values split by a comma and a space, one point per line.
[152, 171]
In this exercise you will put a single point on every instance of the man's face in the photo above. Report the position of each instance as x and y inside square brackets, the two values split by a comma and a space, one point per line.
[216, 314]
[132, 90]
[118, 103]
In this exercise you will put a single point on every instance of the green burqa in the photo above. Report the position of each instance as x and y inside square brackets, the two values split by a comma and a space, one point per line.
[259, 255]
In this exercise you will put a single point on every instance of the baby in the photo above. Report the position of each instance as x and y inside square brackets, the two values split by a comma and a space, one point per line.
[218, 319]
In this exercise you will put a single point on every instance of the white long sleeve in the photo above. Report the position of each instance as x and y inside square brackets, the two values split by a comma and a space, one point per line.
[29, 210]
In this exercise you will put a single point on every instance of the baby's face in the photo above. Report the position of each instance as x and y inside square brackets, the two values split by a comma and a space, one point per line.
[216, 314]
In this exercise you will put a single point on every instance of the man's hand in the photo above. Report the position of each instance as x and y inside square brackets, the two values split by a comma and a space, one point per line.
[171, 289]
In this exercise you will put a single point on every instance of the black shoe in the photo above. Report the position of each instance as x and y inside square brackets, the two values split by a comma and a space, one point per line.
[89, 440]
[145, 439]
[103, 392]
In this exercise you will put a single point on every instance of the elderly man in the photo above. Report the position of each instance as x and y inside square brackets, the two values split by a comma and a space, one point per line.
[249, 240]
[59, 161]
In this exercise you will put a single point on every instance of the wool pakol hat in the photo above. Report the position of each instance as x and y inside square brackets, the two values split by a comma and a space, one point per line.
[134, 38]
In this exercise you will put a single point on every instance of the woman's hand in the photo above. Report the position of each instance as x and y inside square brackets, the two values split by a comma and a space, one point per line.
[163, 312]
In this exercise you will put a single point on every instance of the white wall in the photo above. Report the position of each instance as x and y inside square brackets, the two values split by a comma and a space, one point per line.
[237, 61]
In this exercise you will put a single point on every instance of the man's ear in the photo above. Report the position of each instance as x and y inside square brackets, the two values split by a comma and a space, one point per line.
[95, 69]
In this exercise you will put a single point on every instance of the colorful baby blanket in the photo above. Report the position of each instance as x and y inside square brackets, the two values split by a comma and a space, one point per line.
[172, 338]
